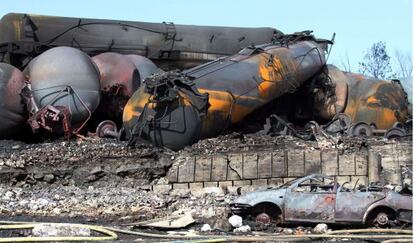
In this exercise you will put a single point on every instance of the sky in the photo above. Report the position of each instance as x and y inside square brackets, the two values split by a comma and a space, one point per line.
[357, 23]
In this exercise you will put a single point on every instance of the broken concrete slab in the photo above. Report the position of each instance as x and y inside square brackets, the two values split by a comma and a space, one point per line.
[172, 222]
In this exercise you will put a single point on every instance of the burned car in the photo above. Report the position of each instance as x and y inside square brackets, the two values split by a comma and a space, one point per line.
[318, 198]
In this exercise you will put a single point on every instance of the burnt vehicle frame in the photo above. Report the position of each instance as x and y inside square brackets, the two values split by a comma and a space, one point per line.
[322, 202]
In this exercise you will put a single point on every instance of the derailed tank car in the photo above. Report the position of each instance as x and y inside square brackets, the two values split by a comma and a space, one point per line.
[170, 46]
[372, 104]
[12, 110]
[177, 109]
[120, 76]
[62, 91]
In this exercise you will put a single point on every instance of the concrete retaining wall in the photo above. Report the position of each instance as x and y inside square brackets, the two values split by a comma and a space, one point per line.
[382, 162]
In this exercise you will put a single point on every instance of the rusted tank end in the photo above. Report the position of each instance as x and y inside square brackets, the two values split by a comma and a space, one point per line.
[120, 77]
[12, 112]
[63, 91]
[377, 103]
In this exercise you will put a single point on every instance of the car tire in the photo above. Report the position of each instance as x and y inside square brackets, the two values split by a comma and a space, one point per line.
[383, 219]
[267, 213]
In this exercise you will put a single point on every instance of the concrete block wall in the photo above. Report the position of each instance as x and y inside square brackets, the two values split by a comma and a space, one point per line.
[393, 158]
[381, 162]
[266, 167]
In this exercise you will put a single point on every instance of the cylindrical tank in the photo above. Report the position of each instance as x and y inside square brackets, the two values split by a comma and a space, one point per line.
[364, 99]
[177, 109]
[117, 74]
[144, 65]
[169, 45]
[120, 77]
[374, 101]
[329, 97]
[12, 112]
[65, 76]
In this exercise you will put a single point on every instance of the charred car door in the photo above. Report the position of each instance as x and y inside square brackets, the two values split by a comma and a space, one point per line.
[311, 200]
[351, 204]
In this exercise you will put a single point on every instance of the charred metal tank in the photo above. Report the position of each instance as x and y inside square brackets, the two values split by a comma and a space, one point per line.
[144, 66]
[380, 103]
[118, 74]
[25, 36]
[12, 112]
[177, 109]
[63, 91]
[120, 77]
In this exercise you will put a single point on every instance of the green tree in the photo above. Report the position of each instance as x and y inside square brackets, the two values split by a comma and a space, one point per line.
[376, 62]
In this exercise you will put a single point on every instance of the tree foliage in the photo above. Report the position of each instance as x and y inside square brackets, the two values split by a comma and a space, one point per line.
[376, 62]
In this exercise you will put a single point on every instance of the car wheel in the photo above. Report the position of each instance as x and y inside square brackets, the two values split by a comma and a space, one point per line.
[382, 219]
[267, 213]
[264, 218]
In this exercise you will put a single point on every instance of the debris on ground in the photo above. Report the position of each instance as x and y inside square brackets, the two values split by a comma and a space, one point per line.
[205, 228]
[173, 222]
[320, 229]
[242, 229]
[236, 221]
[48, 230]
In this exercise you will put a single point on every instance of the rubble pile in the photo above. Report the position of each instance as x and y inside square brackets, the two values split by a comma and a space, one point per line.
[127, 206]
[18, 154]
[245, 142]
[118, 204]
[239, 142]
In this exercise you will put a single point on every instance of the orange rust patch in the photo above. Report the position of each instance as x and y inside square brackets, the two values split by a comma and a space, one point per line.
[239, 112]
[386, 118]
[16, 24]
[130, 112]
[372, 99]
[351, 109]
[383, 117]
[135, 105]
[221, 101]
[223, 95]
[328, 199]
[270, 72]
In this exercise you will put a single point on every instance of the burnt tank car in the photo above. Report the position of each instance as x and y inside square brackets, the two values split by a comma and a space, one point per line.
[170, 46]
[375, 102]
[177, 109]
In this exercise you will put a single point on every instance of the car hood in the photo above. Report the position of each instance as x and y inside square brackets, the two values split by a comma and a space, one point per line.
[253, 198]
